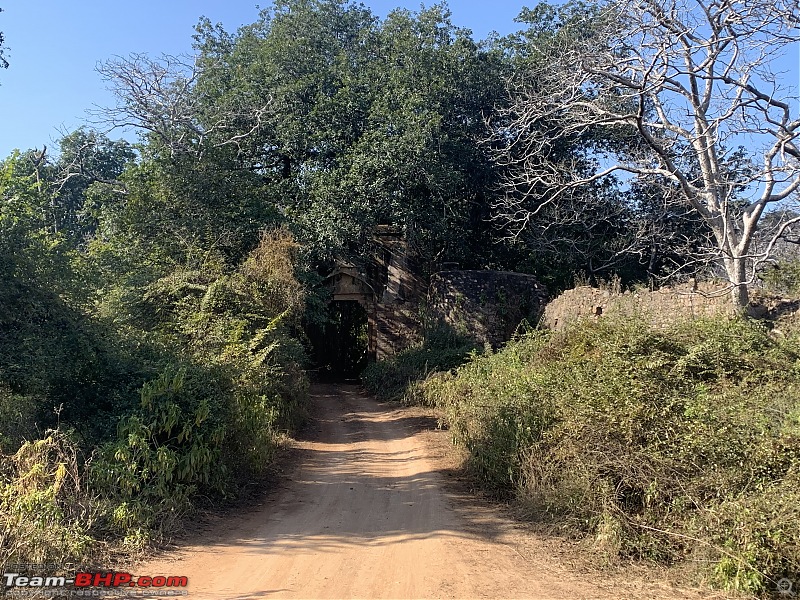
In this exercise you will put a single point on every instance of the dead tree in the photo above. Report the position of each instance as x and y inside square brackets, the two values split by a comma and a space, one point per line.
[159, 96]
[696, 86]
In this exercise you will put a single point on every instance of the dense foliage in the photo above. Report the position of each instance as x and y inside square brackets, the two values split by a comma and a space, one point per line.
[135, 378]
[663, 445]
[359, 121]
[397, 377]
[379, 124]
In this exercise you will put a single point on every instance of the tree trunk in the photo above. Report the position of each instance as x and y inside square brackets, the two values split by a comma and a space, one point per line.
[736, 270]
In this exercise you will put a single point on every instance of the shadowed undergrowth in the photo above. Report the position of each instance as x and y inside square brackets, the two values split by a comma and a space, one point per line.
[398, 376]
[169, 394]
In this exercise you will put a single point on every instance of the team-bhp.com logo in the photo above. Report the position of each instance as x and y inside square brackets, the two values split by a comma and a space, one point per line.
[94, 580]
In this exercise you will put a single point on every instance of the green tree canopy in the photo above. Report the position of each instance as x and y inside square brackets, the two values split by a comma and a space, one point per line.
[356, 122]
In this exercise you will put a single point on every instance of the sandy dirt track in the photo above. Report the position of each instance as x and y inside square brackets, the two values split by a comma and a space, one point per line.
[365, 512]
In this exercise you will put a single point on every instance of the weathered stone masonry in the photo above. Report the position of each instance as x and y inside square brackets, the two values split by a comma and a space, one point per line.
[661, 307]
[387, 286]
[486, 305]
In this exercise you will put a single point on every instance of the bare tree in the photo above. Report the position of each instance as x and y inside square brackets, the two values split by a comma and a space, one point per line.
[160, 97]
[693, 83]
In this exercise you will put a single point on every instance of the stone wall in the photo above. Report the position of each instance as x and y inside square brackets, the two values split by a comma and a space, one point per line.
[386, 283]
[486, 305]
[397, 327]
[660, 307]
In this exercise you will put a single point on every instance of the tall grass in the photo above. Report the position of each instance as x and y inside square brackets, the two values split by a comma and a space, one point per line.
[664, 445]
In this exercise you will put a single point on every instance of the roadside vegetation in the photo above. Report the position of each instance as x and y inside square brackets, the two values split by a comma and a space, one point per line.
[666, 445]
[114, 429]
[397, 377]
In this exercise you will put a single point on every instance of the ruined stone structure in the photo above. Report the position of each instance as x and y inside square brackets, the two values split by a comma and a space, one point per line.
[386, 284]
[661, 307]
[486, 305]
[490, 305]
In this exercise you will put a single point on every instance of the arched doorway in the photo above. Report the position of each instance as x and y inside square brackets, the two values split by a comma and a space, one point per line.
[344, 345]
[341, 346]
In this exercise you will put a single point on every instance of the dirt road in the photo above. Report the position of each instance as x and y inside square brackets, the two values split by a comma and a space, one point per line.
[366, 513]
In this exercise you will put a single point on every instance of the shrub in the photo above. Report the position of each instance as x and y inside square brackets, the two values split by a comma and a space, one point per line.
[395, 378]
[161, 457]
[46, 507]
[180, 388]
[659, 444]
[783, 277]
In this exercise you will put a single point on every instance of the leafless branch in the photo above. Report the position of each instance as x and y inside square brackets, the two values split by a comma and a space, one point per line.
[160, 98]
[696, 80]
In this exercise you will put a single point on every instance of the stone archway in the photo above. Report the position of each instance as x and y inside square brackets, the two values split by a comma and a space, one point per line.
[348, 285]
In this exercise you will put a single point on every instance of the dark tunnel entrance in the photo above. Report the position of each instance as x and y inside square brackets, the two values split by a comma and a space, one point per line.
[340, 348]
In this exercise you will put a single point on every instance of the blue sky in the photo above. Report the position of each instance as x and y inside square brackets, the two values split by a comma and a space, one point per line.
[54, 46]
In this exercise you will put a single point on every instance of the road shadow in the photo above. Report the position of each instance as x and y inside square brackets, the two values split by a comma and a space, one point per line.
[343, 486]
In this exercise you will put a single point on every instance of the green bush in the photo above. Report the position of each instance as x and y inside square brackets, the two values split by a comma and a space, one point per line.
[17, 419]
[180, 389]
[162, 455]
[395, 378]
[783, 277]
[659, 444]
